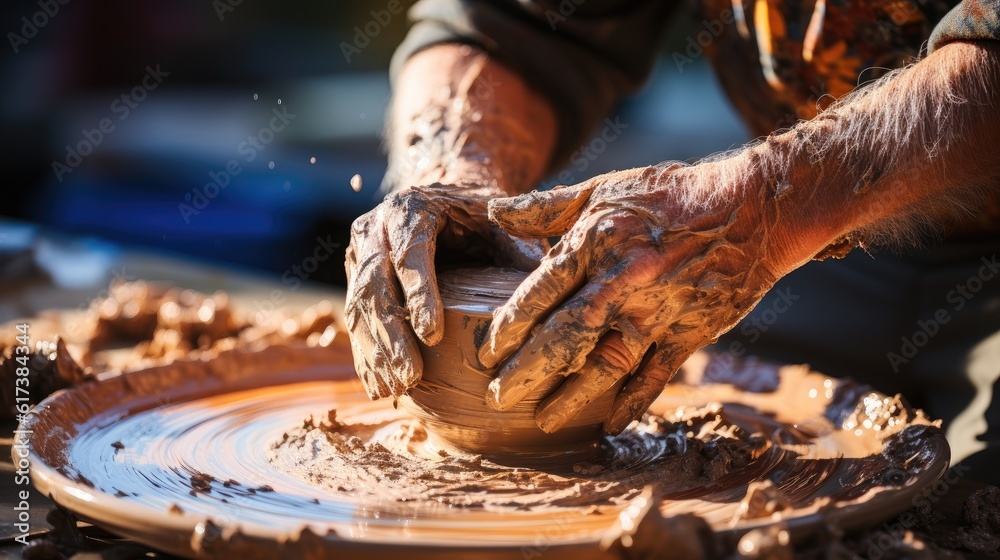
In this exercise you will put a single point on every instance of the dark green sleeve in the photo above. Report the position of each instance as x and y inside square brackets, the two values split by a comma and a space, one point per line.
[581, 54]
[971, 20]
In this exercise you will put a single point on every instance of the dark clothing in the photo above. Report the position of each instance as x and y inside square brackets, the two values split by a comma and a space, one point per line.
[779, 60]
[583, 61]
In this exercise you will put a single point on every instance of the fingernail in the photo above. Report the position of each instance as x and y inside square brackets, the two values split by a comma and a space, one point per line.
[492, 353]
[549, 420]
[493, 395]
[503, 399]
[617, 421]
[427, 327]
[486, 356]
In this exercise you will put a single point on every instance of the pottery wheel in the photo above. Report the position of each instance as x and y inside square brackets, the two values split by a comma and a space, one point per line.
[188, 458]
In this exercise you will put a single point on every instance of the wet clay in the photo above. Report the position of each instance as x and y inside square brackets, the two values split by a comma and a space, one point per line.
[215, 457]
[263, 444]
[140, 325]
[393, 461]
[450, 400]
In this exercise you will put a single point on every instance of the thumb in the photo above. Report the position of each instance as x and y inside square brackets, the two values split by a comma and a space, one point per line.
[541, 213]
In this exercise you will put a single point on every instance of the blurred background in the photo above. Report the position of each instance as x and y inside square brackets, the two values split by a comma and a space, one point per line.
[228, 131]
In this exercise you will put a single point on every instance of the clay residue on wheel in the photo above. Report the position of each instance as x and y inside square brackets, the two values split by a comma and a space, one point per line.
[139, 325]
[749, 373]
[395, 461]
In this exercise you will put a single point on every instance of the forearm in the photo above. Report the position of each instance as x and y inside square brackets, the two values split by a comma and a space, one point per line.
[458, 117]
[920, 146]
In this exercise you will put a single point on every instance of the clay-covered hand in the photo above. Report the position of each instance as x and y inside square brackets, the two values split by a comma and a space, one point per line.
[653, 264]
[392, 291]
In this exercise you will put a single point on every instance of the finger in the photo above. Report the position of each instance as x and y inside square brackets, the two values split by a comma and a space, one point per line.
[357, 328]
[376, 318]
[412, 233]
[387, 324]
[600, 244]
[609, 362]
[371, 363]
[372, 357]
[552, 282]
[369, 359]
[541, 213]
[644, 386]
[562, 343]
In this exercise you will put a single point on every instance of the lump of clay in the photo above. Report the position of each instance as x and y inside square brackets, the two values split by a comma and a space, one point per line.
[50, 368]
[767, 543]
[763, 499]
[166, 322]
[129, 312]
[450, 398]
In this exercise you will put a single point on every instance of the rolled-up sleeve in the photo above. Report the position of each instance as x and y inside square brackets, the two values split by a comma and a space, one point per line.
[971, 20]
[581, 54]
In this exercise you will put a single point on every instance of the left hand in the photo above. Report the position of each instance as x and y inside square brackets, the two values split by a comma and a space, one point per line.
[392, 291]
[654, 263]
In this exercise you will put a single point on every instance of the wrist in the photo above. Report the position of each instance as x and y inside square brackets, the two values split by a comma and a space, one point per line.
[788, 193]
[469, 176]
[459, 117]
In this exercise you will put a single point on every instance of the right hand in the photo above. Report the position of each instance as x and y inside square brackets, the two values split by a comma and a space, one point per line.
[392, 290]
[653, 263]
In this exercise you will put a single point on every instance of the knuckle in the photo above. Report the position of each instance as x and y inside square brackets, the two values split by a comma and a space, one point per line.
[362, 222]
[615, 355]
[362, 225]
[643, 269]
[406, 201]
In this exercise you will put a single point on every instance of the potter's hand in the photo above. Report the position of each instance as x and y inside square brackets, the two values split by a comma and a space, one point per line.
[675, 256]
[653, 263]
[392, 291]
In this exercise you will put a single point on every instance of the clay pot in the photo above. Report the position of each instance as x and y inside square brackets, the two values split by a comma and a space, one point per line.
[450, 398]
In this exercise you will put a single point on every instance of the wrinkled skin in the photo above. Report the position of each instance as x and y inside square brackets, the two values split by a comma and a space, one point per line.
[392, 295]
[642, 277]
[636, 284]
